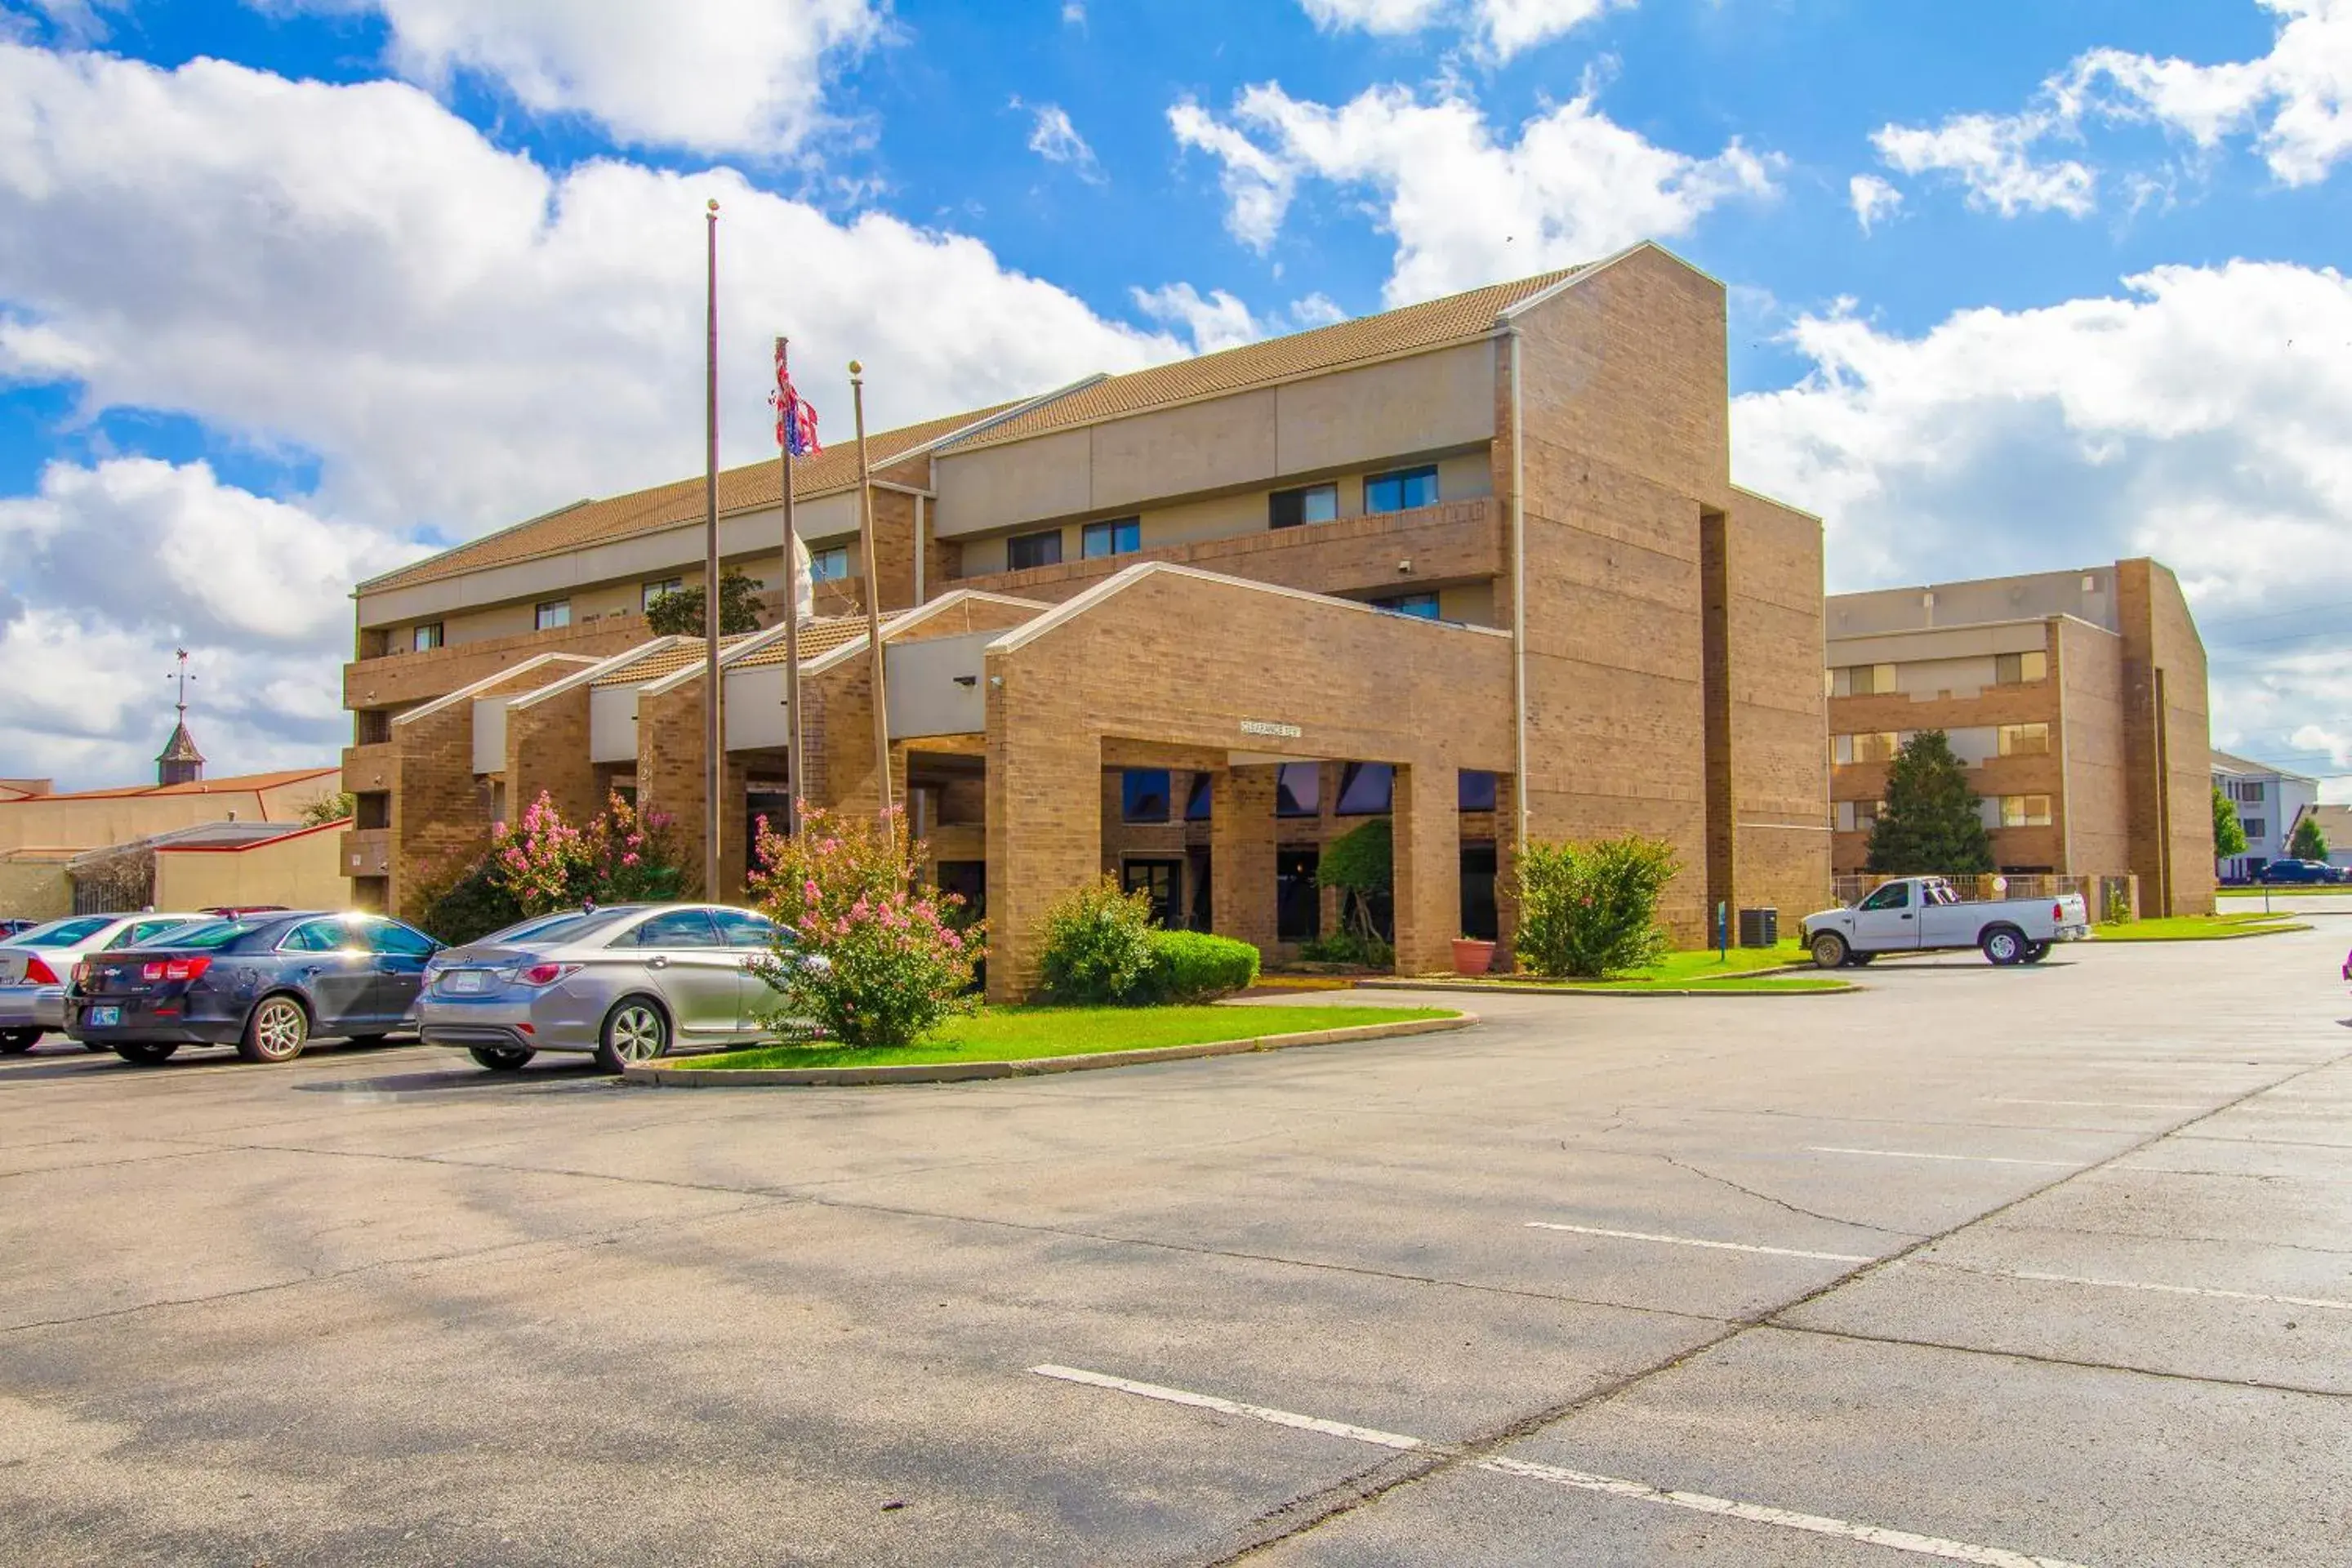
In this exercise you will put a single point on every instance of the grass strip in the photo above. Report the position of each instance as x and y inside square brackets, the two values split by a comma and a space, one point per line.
[1027, 1034]
[2197, 928]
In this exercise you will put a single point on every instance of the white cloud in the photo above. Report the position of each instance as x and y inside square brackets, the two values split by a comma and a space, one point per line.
[1464, 207]
[1220, 320]
[1993, 158]
[1500, 29]
[1073, 14]
[1873, 199]
[1053, 138]
[743, 77]
[2197, 418]
[2295, 101]
[457, 338]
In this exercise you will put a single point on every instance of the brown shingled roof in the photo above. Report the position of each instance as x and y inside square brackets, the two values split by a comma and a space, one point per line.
[668, 661]
[667, 506]
[818, 637]
[1408, 330]
[821, 635]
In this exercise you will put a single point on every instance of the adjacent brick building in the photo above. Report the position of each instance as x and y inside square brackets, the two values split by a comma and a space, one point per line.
[2076, 699]
[1476, 566]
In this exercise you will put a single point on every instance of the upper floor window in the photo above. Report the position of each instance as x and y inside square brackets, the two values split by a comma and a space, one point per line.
[1475, 790]
[1864, 681]
[2025, 811]
[1403, 490]
[647, 593]
[2025, 740]
[2256, 827]
[426, 637]
[1024, 551]
[829, 565]
[1196, 800]
[1871, 746]
[2246, 791]
[1312, 504]
[554, 613]
[371, 726]
[2015, 668]
[1119, 536]
[1366, 789]
[1422, 606]
[1143, 795]
[1299, 790]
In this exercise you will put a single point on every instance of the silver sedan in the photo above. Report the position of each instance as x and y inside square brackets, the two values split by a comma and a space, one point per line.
[35, 965]
[626, 983]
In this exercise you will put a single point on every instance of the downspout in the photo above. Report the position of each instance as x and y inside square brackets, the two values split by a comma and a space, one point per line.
[919, 597]
[1518, 599]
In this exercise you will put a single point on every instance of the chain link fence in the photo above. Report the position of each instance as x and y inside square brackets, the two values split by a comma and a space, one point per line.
[2110, 900]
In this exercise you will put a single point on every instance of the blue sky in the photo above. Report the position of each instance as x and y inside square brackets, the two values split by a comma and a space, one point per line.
[292, 291]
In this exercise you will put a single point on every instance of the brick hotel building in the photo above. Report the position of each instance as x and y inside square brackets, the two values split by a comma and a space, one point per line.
[1477, 565]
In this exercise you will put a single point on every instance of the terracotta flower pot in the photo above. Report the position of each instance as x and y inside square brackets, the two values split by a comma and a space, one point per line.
[1473, 957]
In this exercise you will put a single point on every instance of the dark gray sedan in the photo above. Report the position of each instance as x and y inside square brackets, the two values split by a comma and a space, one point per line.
[626, 985]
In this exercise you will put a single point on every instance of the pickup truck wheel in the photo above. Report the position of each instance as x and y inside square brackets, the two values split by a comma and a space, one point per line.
[2035, 952]
[1829, 951]
[2003, 946]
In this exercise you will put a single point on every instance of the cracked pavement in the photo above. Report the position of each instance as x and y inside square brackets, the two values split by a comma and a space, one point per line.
[378, 1307]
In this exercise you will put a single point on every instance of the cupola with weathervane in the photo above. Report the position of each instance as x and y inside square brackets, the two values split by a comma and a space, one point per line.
[181, 762]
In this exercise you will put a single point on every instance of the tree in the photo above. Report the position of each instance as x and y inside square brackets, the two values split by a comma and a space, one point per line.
[2229, 833]
[679, 612]
[1590, 910]
[1361, 863]
[337, 807]
[1928, 823]
[2309, 840]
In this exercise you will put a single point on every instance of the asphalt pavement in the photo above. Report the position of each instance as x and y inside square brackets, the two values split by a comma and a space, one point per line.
[2041, 1265]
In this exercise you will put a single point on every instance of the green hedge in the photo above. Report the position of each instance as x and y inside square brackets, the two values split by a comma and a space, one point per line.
[1193, 966]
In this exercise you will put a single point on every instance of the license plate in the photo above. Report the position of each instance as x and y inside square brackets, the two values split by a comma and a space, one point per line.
[105, 1018]
[468, 980]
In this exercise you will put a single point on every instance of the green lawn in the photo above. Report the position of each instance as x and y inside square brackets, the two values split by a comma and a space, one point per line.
[2197, 928]
[1702, 971]
[1025, 1034]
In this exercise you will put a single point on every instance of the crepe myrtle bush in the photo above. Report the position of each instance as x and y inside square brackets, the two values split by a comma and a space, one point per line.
[1590, 910]
[622, 856]
[879, 961]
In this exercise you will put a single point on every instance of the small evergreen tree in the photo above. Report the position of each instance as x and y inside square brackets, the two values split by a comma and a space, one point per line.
[2309, 840]
[1929, 823]
[679, 613]
[2229, 833]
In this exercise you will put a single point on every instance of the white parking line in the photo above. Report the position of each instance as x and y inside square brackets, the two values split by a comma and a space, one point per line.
[2105, 1104]
[1697, 1241]
[1970, 1159]
[1605, 1486]
[2321, 1303]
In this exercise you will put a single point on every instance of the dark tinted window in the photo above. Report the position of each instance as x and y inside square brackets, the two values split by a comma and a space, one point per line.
[210, 936]
[1143, 795]
[390, 936]
[739, 928]
[315, 936]
[1422, 606]
[674, 927]
[1026, 550]
[1121, 536]
[1396, 491]
[1894, 896]
[1314, 503]
[1196, 800]
[148, 931]
[1366, 789]
[1299, 790]
[1476, 790]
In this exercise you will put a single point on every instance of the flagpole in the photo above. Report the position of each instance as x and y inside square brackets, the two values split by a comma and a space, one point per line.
[791, 608]
[873, 592]
[714, 762]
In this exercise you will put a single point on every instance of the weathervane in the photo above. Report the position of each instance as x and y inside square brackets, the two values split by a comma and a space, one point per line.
[182, 677]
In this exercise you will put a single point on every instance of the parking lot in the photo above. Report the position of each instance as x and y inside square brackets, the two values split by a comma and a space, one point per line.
[1992, 1266]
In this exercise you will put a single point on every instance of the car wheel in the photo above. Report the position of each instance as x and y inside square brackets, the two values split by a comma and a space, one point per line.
[635, 1031]
[2035, 952]
[277, 1031]
[146, 1053]
[1829, 951]
[17, 1042]
[502, 1059]
[2003, 946]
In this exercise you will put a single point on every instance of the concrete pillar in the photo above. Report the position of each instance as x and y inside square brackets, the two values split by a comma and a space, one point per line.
[1045, 840]
[1241, 855]
[1426, 817]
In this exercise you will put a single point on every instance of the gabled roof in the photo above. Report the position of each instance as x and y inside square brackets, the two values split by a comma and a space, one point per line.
[752, 486]
[2224, 762]
[1410, 328]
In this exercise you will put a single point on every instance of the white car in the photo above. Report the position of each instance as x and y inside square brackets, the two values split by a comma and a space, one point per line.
[34, 965]
[1923, 914]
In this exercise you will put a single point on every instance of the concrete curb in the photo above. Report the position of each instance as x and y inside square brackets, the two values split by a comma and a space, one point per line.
[1493, 988]
[964, 1072]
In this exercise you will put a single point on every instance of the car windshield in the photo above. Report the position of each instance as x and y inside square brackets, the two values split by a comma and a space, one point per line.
[563, 927]
[65, 932]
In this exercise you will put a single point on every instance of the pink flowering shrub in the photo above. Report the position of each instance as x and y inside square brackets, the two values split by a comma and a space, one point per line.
[896, 959]
[620, 857]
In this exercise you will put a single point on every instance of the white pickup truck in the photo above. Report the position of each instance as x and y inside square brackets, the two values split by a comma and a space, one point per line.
[1921, 914]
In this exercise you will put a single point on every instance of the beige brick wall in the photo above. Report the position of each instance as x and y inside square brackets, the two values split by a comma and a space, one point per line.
[2168, 747]
[2095, 812]
[1773, 710]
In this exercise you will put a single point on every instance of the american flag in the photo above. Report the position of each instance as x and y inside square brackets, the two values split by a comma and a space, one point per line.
[795, 416]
